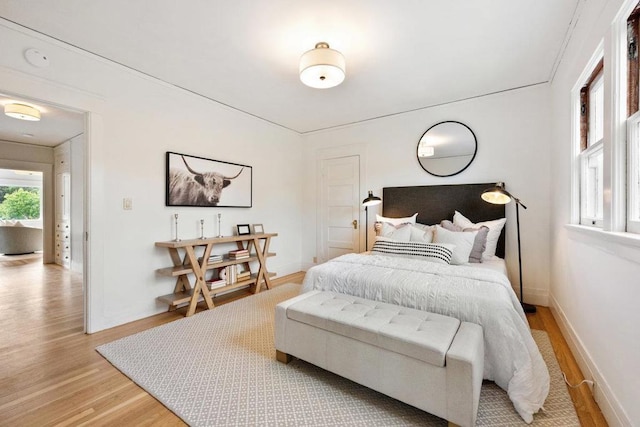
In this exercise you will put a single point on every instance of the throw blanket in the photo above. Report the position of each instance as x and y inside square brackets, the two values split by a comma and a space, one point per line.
[470, 294]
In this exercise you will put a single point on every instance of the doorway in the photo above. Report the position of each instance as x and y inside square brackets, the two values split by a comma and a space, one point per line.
[339, 206]
[38, 146]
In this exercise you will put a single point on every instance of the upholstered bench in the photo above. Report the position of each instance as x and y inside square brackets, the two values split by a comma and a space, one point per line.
[426, 360]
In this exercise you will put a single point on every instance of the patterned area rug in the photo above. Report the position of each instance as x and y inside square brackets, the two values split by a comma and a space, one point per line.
[218, 368]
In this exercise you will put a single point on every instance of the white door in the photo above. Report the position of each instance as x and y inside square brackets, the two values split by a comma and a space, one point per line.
[340, 206]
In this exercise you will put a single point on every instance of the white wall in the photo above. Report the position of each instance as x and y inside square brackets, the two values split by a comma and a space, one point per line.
[134, 120]
[512, 129]
[595, 282]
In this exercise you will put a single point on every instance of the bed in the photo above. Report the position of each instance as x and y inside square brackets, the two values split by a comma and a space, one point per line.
[472, 293]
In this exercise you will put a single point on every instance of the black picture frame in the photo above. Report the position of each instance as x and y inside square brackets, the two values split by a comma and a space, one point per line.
[243, 229]
[201, 182]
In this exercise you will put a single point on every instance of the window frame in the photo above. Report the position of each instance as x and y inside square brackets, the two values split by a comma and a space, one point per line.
[593, 221]
[587, 147]
[633, 172]
[24, 185]
[621, 145]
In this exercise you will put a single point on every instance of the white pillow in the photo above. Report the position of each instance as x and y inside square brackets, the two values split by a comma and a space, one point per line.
[401, 232]
[463, 243]
[422, 234]
[495, 228]
[437, 253]
[1, 221]
[397, 221]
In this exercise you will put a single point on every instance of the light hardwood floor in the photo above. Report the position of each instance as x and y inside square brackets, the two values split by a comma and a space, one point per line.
[50, 374]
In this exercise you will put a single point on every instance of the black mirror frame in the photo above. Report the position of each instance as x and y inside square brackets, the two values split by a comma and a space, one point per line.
[475, 151]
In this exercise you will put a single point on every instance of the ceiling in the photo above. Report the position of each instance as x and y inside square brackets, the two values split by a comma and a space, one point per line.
[56, 125]
[401, 55]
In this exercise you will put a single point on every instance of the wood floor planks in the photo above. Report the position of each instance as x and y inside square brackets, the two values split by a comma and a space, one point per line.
[51, 375]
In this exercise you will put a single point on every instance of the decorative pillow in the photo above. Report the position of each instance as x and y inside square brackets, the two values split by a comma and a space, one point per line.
[495, 228]
[424, 227]
[18, 224]
[422, 234]
[479, 244]
[437, 253]
[463, 243]
[401, 232]
[397, 221]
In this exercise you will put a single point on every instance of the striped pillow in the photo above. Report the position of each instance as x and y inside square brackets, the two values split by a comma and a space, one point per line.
[434, 252]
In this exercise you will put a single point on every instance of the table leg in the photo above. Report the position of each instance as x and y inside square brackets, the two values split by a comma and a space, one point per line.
[263, 274]
[200, 286]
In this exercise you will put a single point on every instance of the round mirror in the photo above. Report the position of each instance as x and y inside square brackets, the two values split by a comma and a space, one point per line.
[447, 148]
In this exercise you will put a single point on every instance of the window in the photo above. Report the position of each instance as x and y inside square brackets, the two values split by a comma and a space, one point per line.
[633, 157]
[633, 122]
[591, 148]
[20, 195]
[20, 203]
[606, 174]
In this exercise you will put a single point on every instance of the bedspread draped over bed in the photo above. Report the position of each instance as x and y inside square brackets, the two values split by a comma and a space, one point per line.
[512, 359]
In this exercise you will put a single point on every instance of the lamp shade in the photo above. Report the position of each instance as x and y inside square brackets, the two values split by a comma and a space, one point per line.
[497, 195]
[322, 67]
[22, 112]
[371, 200]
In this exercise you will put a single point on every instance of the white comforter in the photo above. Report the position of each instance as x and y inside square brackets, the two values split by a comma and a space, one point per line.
[481, 296]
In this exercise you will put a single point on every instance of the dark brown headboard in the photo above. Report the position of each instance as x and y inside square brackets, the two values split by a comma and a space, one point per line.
[433, 203]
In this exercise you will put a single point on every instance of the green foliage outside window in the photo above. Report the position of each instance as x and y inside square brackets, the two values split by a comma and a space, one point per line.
[19, 203]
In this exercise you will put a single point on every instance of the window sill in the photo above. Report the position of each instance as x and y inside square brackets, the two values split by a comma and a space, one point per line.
[627, 239]
[623, 245]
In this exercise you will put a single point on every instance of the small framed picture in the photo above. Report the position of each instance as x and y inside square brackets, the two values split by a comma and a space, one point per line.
[257, 229]
[243, 229]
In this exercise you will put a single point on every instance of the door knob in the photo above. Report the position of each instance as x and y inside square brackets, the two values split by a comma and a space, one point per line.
[355, 224]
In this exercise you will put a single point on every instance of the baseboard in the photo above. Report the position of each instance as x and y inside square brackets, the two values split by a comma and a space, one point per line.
[289, 278]
[602, 393]
[307, 265]
[537, 297]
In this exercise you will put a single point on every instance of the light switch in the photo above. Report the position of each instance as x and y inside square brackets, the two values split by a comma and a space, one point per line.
[127, 203]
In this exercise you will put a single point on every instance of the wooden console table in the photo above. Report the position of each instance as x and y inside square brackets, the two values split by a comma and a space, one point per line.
[191, 263]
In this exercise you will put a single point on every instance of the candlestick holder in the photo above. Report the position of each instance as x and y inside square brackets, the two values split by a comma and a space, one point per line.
[219, 227]
[176, 220]
[202, 229]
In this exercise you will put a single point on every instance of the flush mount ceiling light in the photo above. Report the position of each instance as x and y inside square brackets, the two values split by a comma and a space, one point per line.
[426, 151]
[22, 112]
[322, 67]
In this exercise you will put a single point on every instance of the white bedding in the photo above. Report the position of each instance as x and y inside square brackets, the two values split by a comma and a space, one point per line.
[479, 295]
[495, 264]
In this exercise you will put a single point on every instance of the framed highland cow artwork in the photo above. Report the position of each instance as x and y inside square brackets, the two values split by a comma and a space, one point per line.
[196, 181]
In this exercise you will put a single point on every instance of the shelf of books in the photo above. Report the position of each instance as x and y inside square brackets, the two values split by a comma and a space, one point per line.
[217, 273]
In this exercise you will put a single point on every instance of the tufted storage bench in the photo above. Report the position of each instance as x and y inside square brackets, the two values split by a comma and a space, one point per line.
[427, 360]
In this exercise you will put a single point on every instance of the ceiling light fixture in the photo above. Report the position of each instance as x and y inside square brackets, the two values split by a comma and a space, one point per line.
[22, 112]
[426, 151]
[322, 67]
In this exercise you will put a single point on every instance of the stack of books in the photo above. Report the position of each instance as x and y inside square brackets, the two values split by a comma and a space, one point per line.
[216, 283]
[239, 254]
[231, 274]
[244, 275]
[213, 258]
